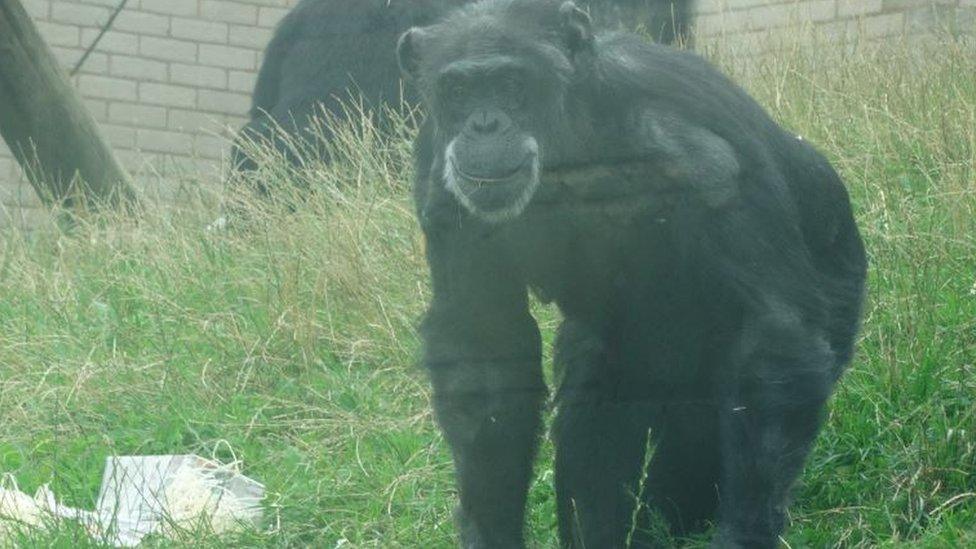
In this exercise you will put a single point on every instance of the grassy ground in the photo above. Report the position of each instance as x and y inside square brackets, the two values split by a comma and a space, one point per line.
[292, 342]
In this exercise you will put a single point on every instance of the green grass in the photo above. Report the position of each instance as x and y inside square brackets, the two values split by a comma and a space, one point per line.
[291, 341]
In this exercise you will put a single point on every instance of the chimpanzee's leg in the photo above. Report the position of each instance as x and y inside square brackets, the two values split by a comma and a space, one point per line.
[682, 480]
[483, 354]
[600, 445]
[776, 385]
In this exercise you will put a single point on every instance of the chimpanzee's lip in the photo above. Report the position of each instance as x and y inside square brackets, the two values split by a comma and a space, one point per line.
[504, 178]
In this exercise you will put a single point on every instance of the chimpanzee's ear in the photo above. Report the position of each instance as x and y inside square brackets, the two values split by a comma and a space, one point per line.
[577, 27]
[409, 50]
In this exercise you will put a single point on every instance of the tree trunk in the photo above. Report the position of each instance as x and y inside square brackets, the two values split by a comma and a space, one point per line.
[44, 121]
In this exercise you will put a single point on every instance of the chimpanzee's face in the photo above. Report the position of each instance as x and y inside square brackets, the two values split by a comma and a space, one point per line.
[495, 93]
[491, 159]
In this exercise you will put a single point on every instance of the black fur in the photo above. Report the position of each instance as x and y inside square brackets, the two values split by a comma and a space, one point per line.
[327, 53]
[705, 260]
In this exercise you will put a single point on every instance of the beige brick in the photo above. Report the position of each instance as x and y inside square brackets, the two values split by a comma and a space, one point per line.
[850, 8]
[699, 7]
[893, 5]
[168, 95]
[56, 34]
[228, 12]
[138, 68]
[841, 30]
[275, 3]
[18, 192]
[37, 9]
[67, 57]
[194, 121]
[883, 25]
[98, 108]
[31, 218]
[135, 162]
[121, 137]
[112, 41]
[199, 30]
[107, 88]
[167, 49]
[249, 37]
[131, 114]
[269, 17]
[234, 122]
[6, 170]
[815, 10]
[97, 63]
[191, 169]
[8, 187]
[710, 24]
[170, 7]
[778, 15]
[163, 141]
[79, 14]
[224, 102]
[13, 218]
[107, 3]
[141, 23]
[931, 19]
[241, 81]
[748, 42]
[209, 146]
[200, 76]
[740, 4]
[227, 56]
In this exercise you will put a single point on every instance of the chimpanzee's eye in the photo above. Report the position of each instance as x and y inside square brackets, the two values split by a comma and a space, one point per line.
[512, 89]
[454, 88]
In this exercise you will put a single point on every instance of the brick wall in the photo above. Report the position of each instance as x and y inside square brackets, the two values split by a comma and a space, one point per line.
[172, 78]
[167, 84]
[749, 24]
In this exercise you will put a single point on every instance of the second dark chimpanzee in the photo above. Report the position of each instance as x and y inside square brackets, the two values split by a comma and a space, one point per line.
[706, 263]
[326, 54]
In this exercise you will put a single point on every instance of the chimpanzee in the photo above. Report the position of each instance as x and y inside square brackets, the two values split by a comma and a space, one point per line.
[327, 53]
[705, 261]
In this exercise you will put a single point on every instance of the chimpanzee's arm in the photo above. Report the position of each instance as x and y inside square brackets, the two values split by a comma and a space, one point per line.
[690, 154]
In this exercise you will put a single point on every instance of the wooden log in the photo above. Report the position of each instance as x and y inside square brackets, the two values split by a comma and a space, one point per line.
[47, 126]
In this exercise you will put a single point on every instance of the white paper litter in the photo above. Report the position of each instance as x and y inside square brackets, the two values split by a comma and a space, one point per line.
[197, 498]
[19, 512]
[142, 495]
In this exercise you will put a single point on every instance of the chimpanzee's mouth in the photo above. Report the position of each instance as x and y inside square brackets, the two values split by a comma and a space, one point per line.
[504, 177]
[499, 196]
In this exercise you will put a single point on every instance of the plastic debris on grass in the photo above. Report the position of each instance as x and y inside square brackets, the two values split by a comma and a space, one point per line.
[19, 513]
[171, 496]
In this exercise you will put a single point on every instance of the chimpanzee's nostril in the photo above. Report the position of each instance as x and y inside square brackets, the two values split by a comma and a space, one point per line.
[486, 123]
